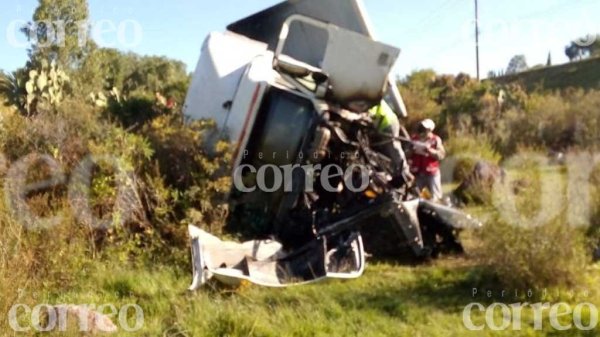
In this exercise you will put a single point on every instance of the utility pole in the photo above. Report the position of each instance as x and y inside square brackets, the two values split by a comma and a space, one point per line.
[477, 37]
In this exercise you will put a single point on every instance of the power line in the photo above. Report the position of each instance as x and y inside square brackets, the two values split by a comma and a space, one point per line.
[443, 10]
[432, 17]
[554, 9]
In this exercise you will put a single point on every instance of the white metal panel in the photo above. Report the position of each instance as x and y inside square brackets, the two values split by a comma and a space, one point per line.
[224, 58]
[358, 67]
[348, 14]
[306, 43]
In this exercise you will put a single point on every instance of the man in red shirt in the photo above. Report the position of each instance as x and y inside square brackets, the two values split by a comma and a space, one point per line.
[428, 150]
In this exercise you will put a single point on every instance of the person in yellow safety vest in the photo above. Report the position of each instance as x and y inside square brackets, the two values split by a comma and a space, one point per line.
[384, 117]
[387, 124]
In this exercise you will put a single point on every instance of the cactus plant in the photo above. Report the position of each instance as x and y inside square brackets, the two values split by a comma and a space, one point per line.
[100, 99]
[44, 89]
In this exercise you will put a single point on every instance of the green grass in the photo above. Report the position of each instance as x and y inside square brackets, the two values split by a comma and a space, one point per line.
[581, 74]
[389, 300]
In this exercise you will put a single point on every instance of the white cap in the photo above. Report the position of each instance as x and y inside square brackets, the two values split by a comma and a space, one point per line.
[428, 124]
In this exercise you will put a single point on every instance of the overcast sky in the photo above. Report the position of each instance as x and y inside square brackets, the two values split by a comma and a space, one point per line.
[436, 34]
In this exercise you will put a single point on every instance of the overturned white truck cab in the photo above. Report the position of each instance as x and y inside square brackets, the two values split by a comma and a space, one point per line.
[284, 85]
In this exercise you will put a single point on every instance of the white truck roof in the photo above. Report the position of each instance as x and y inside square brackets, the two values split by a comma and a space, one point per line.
[265, 26]
[223, 61]
[225, 57]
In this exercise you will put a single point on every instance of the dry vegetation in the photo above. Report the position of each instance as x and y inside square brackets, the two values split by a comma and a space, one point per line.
[177, 183]
[476, 125]
[172, 181]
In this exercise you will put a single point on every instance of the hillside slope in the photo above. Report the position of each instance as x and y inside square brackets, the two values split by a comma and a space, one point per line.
[582, 74]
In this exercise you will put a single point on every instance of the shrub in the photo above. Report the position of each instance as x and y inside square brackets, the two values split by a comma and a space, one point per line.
[594, 229]
[69, 137]
[554, 121]
[197, 171]
[419, 96]
[133, 112]
[464, 151]
[522, 258]
[170, 178]
[537, 247]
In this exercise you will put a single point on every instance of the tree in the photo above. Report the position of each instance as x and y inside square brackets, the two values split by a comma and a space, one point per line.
[12, 89]
[573, 52]
[583, 47]
[59, 35]
[59, 32]
[130, 74]
[153, 74]
[589, 45]
[517, 64]
[133, 88]
[36, 90]
[549, 61]
[104, 69]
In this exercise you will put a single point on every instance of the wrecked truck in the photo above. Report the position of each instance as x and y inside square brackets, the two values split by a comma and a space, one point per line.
[283, 85]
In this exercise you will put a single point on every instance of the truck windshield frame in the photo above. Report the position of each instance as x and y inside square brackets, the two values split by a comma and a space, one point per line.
[280, 130]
